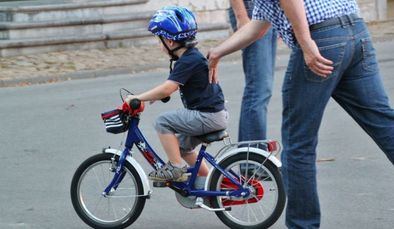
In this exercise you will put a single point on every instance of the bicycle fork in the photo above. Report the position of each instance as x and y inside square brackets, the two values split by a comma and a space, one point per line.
[119, 173]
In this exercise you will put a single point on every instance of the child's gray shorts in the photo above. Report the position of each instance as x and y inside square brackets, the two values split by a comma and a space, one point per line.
[188, 123]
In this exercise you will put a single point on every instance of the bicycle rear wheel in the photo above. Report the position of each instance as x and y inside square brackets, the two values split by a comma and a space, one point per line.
[120, 208]
[264, 206]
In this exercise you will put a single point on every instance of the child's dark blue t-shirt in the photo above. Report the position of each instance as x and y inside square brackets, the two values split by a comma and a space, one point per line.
[191, 73]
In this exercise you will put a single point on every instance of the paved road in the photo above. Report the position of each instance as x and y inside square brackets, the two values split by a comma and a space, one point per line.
[47, 130]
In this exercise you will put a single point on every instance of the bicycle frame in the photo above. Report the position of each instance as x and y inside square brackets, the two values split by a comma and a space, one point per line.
[135, 137]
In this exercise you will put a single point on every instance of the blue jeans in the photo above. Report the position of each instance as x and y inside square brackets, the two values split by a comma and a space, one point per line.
[357, 87]
[258, 61]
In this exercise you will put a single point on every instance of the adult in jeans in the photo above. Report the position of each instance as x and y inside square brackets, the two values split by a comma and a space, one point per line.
[258, 61]
[332, 56]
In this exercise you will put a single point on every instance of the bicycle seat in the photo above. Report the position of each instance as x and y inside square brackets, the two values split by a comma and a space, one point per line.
[213, 136]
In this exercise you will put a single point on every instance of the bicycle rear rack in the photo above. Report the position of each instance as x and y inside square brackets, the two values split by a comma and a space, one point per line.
[271, 146]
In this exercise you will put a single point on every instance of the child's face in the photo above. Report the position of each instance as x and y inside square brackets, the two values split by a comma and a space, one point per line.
[169, 43]
[161, 45]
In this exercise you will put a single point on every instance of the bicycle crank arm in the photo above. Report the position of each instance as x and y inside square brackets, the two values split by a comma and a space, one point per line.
[200, 203]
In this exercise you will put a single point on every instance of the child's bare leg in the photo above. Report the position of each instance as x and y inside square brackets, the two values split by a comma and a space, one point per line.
[191, 158]
[171, 147]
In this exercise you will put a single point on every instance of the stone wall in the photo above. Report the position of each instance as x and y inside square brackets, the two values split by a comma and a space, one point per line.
[214, 10]
[373, 10]
[207, 11]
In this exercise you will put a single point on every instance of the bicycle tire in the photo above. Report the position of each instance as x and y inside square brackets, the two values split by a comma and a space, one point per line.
[275, 175]
[85, 214]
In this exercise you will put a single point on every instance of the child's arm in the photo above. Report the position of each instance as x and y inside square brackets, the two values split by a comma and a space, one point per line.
[163, 90]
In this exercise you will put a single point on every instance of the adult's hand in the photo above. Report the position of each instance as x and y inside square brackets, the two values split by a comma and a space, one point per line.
[315, 61]
[213, 62]
[295, 12]
[240, 39]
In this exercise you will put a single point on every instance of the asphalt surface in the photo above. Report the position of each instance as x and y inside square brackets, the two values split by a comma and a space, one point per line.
[47, 130]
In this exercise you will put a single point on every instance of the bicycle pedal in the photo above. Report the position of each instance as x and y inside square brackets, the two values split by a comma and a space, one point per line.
[161, 184]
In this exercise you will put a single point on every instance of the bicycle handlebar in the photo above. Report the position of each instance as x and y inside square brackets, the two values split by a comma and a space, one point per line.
[166, 99]
[136, 103]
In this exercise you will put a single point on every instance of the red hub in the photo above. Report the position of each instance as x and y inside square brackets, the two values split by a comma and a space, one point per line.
[256, 189]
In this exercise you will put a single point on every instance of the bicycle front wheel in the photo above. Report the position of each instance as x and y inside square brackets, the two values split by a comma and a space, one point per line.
[263, 206]
[121, 207]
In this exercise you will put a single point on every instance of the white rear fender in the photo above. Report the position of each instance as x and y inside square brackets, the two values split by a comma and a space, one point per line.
[137, 166]
[235, 151]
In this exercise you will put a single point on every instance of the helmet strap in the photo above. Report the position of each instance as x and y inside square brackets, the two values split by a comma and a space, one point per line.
[171, 64]
[171, 52]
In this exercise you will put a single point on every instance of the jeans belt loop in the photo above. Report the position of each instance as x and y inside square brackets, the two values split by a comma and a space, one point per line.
[351, 21]
[343, 24]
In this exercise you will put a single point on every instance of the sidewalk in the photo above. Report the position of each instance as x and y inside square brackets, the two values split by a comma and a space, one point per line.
[66, 65]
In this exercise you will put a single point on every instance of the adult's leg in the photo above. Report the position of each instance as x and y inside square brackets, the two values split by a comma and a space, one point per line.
[305, 96]
[258, 61]
[361, 93]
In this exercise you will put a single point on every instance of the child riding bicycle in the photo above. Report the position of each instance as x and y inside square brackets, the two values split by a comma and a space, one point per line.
[204, 109]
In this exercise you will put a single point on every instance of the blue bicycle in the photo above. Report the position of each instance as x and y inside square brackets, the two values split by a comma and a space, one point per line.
[244, 186]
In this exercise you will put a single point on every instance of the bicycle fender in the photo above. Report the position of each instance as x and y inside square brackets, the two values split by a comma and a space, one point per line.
[137, 166]
[233, 152]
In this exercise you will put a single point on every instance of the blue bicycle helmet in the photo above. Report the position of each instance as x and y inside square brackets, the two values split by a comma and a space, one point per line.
[174, 23]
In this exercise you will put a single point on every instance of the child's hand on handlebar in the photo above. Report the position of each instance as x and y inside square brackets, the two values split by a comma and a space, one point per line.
[129, 98]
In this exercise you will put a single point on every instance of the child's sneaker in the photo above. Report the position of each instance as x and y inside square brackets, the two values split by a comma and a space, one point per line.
[169, 173]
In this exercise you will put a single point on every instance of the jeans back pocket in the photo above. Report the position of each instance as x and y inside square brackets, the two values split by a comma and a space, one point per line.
[335, 53]
[369, 62]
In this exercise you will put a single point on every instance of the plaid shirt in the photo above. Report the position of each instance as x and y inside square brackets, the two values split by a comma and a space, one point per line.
[316, 11]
